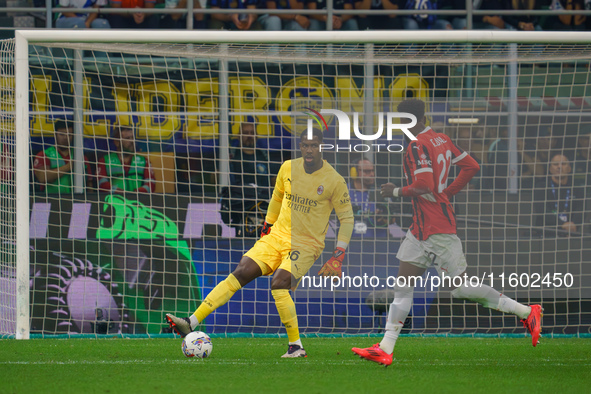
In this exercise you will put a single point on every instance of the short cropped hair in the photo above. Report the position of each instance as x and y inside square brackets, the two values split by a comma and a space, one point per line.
[62, 124]
[358, 161]
[117, 130]
[413, 106]
[315, 133]
[248, 124]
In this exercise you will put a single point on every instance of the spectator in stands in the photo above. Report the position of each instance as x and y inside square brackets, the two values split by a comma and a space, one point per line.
[284, 21]
[424, 21]
[582, 161]
[179, 20]
[237, 21]
[466, 138]
[559, 205]
[339, 22]
[457, 21]
[249, 165]
[440, 127]
[545, 144]
[473, 137]
[137, 20]
[379, 22]
[6, 166]
[197, 171]
[496, 171]
[528, 165]
[567, 22]
[523, 22]
[244, 201]
[53, 167]
[71, 20]
[369, 208]
[487, 22]
[125, 170]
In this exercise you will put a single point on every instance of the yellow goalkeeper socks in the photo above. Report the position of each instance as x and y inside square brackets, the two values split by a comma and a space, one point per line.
[287, 313]
[217, 297]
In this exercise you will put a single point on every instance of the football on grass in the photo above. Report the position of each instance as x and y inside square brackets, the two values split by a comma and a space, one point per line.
[197, 344]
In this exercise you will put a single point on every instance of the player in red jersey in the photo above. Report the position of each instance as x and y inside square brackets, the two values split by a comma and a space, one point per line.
[431, 240]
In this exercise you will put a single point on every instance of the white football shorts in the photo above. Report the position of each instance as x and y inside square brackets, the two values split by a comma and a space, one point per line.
[442, 251]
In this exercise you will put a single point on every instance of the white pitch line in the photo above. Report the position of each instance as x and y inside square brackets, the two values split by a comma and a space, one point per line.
[165, 362]
[422, 363]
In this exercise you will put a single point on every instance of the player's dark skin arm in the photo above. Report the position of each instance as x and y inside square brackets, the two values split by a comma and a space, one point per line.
[419, 188]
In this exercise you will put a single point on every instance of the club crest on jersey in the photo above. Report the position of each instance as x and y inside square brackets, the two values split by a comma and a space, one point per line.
[320, 190]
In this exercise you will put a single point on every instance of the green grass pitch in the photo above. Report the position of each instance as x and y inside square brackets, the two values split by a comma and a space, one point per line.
[237, 365]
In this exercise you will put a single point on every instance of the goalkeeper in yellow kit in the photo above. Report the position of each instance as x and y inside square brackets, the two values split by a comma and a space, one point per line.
[306, 192]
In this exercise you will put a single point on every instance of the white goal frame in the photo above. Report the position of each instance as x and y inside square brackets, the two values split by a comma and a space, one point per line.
[24, 38]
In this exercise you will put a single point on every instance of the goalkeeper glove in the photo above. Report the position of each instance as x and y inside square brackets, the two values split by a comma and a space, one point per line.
[266, 229]
[333, 267]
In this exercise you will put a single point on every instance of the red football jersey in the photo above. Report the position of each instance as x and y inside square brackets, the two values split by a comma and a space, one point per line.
[432, 154]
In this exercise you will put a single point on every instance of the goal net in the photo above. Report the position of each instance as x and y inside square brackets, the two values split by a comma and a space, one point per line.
[7, 192]
[150, 163]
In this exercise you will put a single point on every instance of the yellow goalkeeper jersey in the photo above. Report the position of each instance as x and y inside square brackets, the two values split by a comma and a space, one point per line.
[307, 200]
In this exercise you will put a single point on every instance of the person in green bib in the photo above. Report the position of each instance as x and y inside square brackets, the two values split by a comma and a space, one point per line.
[125, 170]
[54, 166]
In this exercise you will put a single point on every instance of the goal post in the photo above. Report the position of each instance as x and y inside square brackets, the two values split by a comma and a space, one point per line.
[113, 263]
[21, 155]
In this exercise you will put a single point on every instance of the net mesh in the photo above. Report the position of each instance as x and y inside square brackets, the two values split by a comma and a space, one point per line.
[7, 198]
[350, 53]
[135, 225]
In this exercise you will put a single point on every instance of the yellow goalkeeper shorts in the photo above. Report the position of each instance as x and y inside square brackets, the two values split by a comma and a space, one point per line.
[273, 252]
